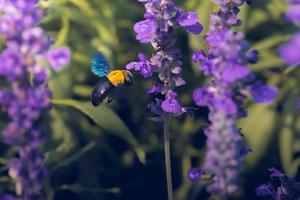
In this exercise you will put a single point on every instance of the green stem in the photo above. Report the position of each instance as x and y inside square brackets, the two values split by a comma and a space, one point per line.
[168, 156]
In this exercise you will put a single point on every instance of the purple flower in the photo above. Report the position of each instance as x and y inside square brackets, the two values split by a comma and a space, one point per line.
[290, 51]
[262, 93]
[155, 89]
[287, 188]
[293, 13]
[225, 64]
[195, 174]
[158, 28]
[143, 66]
[189, 21]
[265, 190]
[170, 104]
[25, 97]
[59, 57]
[145, 30]
[198, 56]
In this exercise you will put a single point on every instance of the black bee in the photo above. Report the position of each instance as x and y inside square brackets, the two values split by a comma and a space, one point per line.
[113, 79]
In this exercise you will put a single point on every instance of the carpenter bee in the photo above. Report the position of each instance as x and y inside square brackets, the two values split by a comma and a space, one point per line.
[111, 79]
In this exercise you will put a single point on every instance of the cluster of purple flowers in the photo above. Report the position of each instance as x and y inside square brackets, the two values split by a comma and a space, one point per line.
[25, 95]
[161, 17]
[231, 80]
[290, 52]
[282, 188]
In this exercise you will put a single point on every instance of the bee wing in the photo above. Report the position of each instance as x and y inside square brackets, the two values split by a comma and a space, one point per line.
[99, 65]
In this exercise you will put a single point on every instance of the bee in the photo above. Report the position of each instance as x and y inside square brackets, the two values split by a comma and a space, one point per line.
[111, 79]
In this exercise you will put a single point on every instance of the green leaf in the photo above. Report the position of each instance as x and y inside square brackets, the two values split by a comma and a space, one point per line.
[286, 151]
[105, 118]
[286, 136]
[82, 90]
[62, 141]
[62, 36]
[258, 129]
[74, 157]
[270, 42]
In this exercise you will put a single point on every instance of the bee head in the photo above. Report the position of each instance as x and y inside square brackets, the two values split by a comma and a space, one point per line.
[129, 78]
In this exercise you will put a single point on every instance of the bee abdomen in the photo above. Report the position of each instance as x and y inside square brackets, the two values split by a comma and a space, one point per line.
[100, 92]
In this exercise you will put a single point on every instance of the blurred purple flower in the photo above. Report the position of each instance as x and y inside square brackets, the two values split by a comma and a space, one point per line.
[293, 13]
[290, 51]
[59, 57]
[226, 64]
[195, 174]
[25, 96]
[262, 93]
[287, 188]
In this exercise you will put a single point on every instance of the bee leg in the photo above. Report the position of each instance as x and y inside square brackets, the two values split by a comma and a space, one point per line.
[109, 99]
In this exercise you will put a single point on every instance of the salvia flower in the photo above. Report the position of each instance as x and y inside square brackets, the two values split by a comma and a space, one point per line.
[293, 14]
[226, 63]
[282, 187]
[290, 51]
[26, 96]
[161, 17]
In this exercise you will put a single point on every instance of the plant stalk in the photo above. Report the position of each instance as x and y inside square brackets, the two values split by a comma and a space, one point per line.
[168, 156]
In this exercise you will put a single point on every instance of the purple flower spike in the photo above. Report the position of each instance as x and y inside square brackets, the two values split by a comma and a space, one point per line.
[59, 57]
[28, 96]
[158, 28]
[226, 64]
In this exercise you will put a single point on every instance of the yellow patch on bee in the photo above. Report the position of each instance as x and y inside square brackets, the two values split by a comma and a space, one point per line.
[116, 77]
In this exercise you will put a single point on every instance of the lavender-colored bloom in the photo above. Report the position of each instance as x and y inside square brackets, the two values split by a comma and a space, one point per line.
[143, 66]
[293, 13]
[161, 17]
[170, 104]
[290, 51]
[226, 63]
[262, 93]
[26, 96]
[145, 30]
[59, 57]
[195, 174]
[287, 188]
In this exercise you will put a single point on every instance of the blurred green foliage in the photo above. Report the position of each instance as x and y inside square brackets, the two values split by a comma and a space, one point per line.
[115, 151]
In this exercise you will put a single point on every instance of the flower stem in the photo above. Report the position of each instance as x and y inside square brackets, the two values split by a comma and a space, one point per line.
[168, 155]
